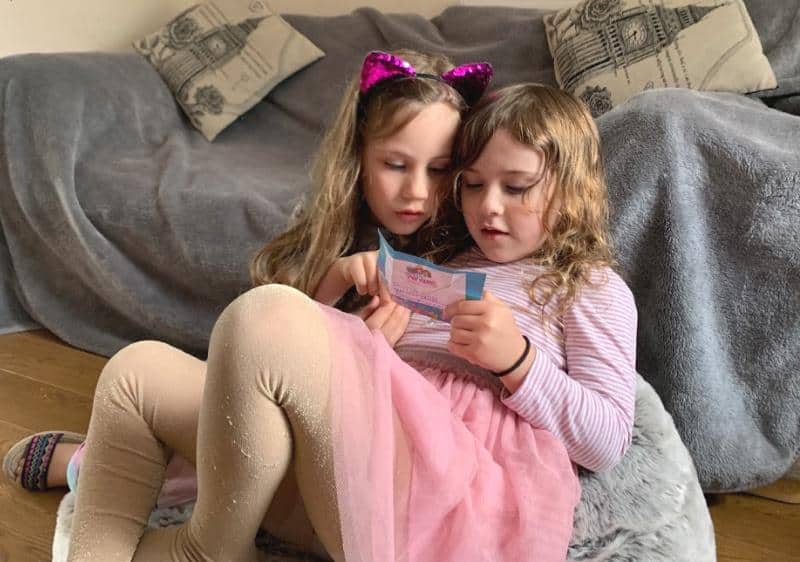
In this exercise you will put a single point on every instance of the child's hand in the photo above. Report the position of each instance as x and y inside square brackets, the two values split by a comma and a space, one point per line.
[383, 314]
[361, 270]
[484, 333]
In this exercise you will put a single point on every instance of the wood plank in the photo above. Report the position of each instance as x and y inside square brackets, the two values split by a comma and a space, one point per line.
[37, 406]
[784, 490]
[40, 356]
[750, 528]
[12, 549]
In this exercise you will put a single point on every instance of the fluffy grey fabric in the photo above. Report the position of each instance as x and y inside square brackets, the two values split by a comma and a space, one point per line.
[649, 507]
[122, 223]
[13, 317]
[706, 225]
[778, 25]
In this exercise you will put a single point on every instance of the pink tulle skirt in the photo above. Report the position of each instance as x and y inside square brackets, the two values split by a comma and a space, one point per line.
[430, 465]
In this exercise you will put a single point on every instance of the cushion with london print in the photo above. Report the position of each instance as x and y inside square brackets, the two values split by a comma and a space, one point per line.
[220, 59]
[605, 51]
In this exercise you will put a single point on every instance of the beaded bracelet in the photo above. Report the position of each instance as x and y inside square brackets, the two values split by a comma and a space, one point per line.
[519, 361]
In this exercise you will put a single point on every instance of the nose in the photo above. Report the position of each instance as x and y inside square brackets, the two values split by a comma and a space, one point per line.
[418, 185]
[491, 201]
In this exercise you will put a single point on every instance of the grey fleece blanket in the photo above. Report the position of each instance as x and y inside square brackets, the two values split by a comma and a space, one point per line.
[120, 222]
[706, 224]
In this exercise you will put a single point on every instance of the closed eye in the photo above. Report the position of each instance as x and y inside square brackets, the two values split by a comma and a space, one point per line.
[515, 190]
[395, 165]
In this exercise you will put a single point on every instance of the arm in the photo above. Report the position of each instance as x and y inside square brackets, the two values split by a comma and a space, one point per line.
[590, 407]
[359, 269]
[385, 315]
[333, 286]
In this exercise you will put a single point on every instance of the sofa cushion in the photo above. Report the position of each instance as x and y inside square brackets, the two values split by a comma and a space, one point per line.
[608, 50]
[221, 59]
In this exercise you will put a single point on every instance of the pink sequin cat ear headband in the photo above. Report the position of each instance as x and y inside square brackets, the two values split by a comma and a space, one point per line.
[470, 80]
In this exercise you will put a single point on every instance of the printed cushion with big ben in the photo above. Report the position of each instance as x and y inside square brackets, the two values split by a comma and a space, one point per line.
[219, 60]
[605, 51]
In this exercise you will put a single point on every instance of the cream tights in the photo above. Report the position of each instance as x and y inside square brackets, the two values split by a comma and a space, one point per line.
[257, 424]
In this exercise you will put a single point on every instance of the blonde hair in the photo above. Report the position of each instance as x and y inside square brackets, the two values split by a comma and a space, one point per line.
[560, 126]
[327, 228]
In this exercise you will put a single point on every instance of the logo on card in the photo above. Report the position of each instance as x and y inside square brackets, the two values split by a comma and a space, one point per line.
[420, 276]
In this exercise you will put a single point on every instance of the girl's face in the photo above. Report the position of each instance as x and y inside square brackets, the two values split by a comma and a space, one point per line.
[504, 194]
[400, 173]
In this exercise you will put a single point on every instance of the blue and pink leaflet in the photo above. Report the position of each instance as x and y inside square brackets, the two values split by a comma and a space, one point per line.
[422, 286]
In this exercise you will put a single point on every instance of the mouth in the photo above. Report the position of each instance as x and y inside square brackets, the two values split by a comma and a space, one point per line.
[491, 232]
[410, 215]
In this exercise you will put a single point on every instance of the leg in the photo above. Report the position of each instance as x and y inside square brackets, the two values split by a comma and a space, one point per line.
[265, 398]
[149, 396]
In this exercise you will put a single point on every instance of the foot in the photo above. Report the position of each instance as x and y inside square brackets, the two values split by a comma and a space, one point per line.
[57, 471]
[39, 462]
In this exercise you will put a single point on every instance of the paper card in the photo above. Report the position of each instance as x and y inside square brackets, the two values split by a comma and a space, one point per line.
[422, 286]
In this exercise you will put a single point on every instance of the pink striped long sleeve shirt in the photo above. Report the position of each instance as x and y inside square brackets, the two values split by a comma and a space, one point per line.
[581, 386]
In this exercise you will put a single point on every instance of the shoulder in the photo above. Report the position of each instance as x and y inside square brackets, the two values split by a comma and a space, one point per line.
[604, 280]
[605, 290]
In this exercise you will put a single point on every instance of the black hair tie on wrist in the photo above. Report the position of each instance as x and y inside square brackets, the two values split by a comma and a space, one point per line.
[518, 361]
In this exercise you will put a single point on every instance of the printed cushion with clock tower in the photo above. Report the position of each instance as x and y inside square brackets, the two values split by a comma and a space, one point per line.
[605, 51]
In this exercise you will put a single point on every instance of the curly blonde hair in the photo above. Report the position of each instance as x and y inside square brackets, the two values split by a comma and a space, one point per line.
[562, 129]
[331, 221]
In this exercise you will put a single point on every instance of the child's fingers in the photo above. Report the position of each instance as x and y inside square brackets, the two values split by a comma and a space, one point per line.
[371, 269]
[461, 337]
[489, 297]
[379, 317]
[369, 262]
[383, 293]
[458, 349]
[366, 311]
[466, 322]
[360, 280]
[464, 307]
[396, 324]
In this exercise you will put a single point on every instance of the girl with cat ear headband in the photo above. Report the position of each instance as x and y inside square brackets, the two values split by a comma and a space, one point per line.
[384, 155]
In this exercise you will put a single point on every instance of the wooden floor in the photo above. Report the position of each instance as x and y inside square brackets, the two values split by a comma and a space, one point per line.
[45, 384]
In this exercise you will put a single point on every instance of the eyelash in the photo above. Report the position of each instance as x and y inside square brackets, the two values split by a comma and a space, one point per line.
[518, 190]
[510, 189]
[401, 167]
